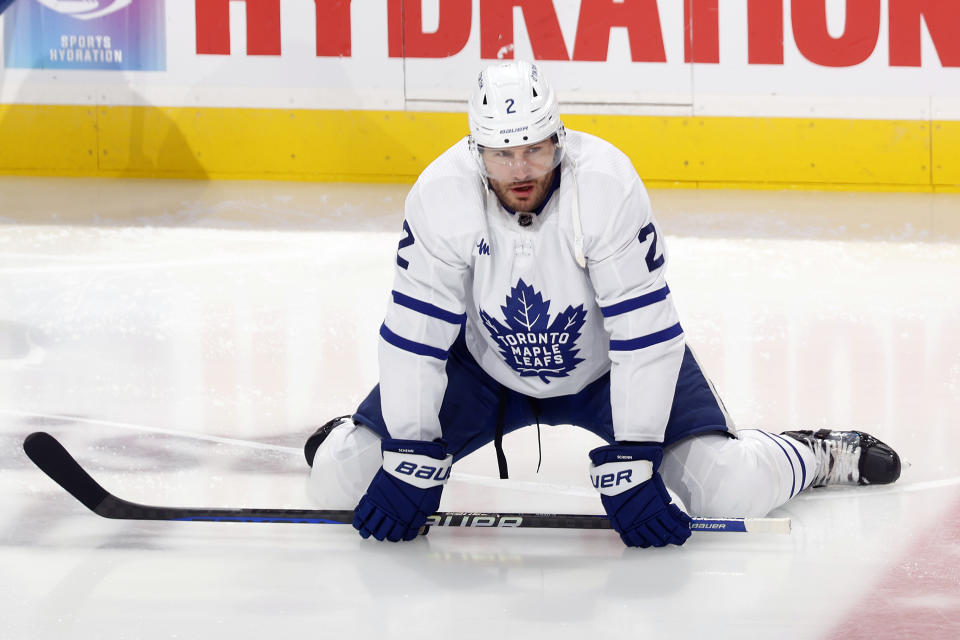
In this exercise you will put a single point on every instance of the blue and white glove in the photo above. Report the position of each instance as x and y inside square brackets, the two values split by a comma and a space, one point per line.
[405, 491]
[634, 497]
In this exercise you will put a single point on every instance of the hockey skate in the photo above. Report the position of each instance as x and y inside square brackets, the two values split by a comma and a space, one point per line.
[849, 457]
[314, 441]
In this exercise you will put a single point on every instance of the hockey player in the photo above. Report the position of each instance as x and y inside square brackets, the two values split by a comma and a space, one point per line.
[530, 288]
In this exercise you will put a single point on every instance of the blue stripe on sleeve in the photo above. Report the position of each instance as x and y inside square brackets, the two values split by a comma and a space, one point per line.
[646, 341]
[635, 303]
[409, 345]
[428, 309]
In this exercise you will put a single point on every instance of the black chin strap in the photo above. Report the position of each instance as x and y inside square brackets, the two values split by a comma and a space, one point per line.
[498, 438]
[535, 404]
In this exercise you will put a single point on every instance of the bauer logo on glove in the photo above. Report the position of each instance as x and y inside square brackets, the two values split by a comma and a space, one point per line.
[427, 472]
[616, 477]
[419, 470]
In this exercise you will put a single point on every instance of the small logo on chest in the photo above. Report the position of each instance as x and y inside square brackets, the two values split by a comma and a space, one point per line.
[483, 249]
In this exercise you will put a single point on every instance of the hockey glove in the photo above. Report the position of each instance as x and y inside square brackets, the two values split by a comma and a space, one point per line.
[405, 490]
[634, 497]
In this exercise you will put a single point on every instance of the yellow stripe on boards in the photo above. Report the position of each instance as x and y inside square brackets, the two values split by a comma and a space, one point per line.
[782, 151]
[946, 156]
[395, 146]
[364, 146]
[48, 140]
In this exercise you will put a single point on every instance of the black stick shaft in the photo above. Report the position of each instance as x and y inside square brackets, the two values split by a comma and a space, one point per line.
[54, 460]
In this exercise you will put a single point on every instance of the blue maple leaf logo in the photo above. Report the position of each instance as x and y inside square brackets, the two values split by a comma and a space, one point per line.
[529, 342]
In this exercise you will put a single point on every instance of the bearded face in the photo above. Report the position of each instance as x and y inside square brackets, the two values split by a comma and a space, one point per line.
[521, 176]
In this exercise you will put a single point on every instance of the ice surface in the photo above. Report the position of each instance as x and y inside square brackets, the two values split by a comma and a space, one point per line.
[182, 339]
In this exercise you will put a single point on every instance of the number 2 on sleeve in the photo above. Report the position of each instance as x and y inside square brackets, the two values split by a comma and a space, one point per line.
[653, 262]
[405, 242]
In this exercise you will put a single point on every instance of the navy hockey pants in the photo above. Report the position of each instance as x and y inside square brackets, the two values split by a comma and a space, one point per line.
[475, 404]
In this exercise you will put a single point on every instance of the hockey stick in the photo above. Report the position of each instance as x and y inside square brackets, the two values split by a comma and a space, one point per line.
[48, 454]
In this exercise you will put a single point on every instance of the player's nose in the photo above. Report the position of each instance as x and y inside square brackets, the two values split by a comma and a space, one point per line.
[520, 170]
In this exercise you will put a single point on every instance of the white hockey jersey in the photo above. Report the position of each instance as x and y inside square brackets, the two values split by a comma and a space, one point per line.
[536, 320]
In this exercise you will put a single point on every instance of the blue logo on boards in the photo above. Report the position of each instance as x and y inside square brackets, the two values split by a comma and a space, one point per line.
[529, 342]
[85, 34]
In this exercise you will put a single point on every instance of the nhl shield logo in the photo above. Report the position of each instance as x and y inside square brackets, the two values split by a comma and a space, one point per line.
[529, 342]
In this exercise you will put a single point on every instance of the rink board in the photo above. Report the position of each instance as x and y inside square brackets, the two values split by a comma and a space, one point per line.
[834, 95]
[394, 146]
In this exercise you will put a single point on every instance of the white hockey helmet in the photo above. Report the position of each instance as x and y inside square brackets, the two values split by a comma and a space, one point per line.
[513, 106]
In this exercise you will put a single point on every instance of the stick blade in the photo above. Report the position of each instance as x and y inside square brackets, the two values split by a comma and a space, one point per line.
[55, 461]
